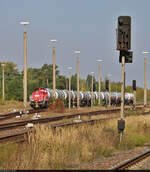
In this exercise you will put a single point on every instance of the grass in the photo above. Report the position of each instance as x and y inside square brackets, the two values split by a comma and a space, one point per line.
[71, 146]
[131, 112]
[10, 105]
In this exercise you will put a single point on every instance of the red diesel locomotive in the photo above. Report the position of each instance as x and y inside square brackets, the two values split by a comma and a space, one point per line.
[39, 98]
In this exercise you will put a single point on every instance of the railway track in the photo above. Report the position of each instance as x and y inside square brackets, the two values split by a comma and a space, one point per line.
[93, 121]
[15, 138]
[14, 114]
[54, 126]
[12, 125]
[131, 162]
[28, 111]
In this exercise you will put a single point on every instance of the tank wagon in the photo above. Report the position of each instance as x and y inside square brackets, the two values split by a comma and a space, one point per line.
[41, 97]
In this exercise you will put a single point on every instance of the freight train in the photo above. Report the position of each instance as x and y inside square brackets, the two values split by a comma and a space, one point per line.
[40, 97]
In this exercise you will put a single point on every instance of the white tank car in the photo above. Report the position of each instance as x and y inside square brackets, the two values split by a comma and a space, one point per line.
[130, 98]
[95, 95]
[102, 95]
[85, 96]
[113, 96]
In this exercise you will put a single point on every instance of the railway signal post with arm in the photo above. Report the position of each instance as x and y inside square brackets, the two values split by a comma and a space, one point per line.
[123, 45]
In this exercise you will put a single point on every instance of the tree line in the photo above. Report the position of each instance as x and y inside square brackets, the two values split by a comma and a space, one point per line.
[42, 77]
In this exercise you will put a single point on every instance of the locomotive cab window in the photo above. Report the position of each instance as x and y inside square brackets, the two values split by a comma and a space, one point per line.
[36, 90]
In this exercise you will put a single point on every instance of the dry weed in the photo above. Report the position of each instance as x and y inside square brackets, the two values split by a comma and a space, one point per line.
[70, 146]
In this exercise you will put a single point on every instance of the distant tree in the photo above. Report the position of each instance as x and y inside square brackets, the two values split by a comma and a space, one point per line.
[42, 77]
[13, 82]
[61, 82]
[89, 83]
[74, 82]
[83, 85]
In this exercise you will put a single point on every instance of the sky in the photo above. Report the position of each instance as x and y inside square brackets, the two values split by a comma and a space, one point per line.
[85, 25]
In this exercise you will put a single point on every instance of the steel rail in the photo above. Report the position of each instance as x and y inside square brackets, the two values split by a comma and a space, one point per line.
[29, 111]
[13, 114]
[11, 137]
[131, 162]
[10, 125]
[93, 121]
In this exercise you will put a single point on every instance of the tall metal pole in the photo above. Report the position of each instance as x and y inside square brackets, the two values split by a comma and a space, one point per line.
[25, 66]
[122, 94]
[92, 92]
[145, 87]
[99, 85]
[3, 84]
[78, 93]
[106, 92]
[50, 62]
[122, 87]
[54, 82]
[109, 92]
[69, 90]
[25, 70]
[50, 56]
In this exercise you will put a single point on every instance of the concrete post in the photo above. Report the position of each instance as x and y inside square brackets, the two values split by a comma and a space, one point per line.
[109, 93]
[78, 93]
[54, 82]
[99, 85]
[3, 75]
[69, 90]
[25, 70]
[92, 92]
[145, 85]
